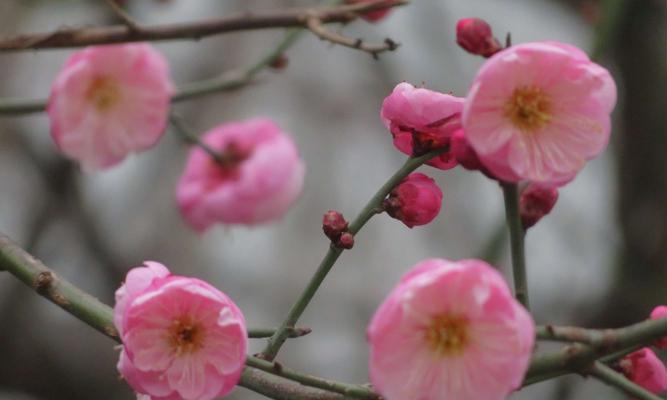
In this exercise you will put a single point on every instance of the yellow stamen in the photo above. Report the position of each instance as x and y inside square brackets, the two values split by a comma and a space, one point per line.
[529, 108]
[447, 334]
[185, 336]
[104, 93]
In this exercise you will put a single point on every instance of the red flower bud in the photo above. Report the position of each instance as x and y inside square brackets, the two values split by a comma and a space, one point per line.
[474, 35]
[346, 241]
[371, 16]
[279, 62]
[333, 224]
[415, 201]
[536, 202]
[463, 153]
[645, 369]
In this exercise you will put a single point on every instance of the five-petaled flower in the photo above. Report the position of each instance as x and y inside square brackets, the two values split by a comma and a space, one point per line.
[258, 177]
[109, 101]
[450, 330]
[538, 112]
[182, 338]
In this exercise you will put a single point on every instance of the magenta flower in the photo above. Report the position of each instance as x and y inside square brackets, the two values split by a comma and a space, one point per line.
[657, 313]
[645, 369]
[450, 330]
[182, 338]
[536, 201]
[108, 102]
[415, 201]
[260, 178]
[538, 112]
[475, 36]
[421, 120]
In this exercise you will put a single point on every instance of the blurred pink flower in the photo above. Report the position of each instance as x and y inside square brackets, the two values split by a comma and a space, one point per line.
[108, 102]
[421, 120]
[535, 202]
[415, 201]
[182, 338]
[538, 112]
[372, 16]
[657, 313]
[474, 35]
[450, 330]
[645, 369]
[261, 179]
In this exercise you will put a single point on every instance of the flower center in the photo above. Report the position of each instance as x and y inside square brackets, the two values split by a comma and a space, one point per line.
[185, 336]
[528, 108]
[103, 93]
[447, 334]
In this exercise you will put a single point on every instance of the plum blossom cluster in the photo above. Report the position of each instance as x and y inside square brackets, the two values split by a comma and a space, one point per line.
[535, 114]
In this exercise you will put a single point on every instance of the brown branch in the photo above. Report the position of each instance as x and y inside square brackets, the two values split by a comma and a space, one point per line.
[77, 37]
[123, 16]
[316, 26]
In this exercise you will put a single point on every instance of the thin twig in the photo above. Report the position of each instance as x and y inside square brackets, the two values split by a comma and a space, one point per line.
[123, 16]
[517, 236]
[77, 37]
[613, 378]
[316, 26]
[261, 333]
[277, 340]
[192, 138]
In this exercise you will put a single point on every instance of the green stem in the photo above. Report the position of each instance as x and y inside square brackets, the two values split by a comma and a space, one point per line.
[613, 378]
[262, 333]
[277, 340]
[356, 391]
[517, 236]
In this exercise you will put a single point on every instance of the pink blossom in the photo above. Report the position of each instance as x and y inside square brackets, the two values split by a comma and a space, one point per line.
[538, 112]
[463, 153]
[657, 313]
[109, 101]
[421, 120]
[182, 338]
[415, 201]
[371, 16]
[261, 178]
[536, 201]
[645, 369]
[450, 330]
[474, 35]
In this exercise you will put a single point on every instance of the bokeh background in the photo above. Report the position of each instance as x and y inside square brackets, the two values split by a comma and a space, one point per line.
[600, 259]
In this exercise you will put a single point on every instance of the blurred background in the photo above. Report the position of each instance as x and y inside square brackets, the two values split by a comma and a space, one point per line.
[600, 258]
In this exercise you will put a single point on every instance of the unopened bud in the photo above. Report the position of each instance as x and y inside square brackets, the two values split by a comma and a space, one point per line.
[463, 153]
[645, 369]
[536, 202]
[279, 62]
[658, 313]
[415, 201]
[333, 224]
[474, 35]
[346, 241]
[371, 16]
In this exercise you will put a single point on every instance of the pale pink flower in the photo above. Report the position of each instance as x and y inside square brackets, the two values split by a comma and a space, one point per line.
[182, 338]
[538, 112]
[536, 201]
[421, 120]
[450, 330]
[645, 369]
[371, 16]
[415, 201]
[657, 313]
[260, 179]
[109, 101]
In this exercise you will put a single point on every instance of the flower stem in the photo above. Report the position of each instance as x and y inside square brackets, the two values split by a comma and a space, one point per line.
[517, 236]
[613, 378]
[277, 340]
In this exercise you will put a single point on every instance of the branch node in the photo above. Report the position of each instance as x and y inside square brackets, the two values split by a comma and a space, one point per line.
[42, 282]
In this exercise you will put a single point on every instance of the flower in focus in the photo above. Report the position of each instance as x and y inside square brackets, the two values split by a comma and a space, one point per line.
[645, 369]
[371, 16]
[538, 112]
[535, 202]
[474, 35]
[261, 177]
[415, 201]
[109, 101]
[450, 330]
[657, 313]
[182, 338]
[421, 120]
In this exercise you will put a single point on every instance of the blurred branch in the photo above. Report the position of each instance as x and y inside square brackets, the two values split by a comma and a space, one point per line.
[123, 16]
[261, 333]
[517, 236]
[277, 340]
[77, 37]
[607, 30]
[317, 27]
